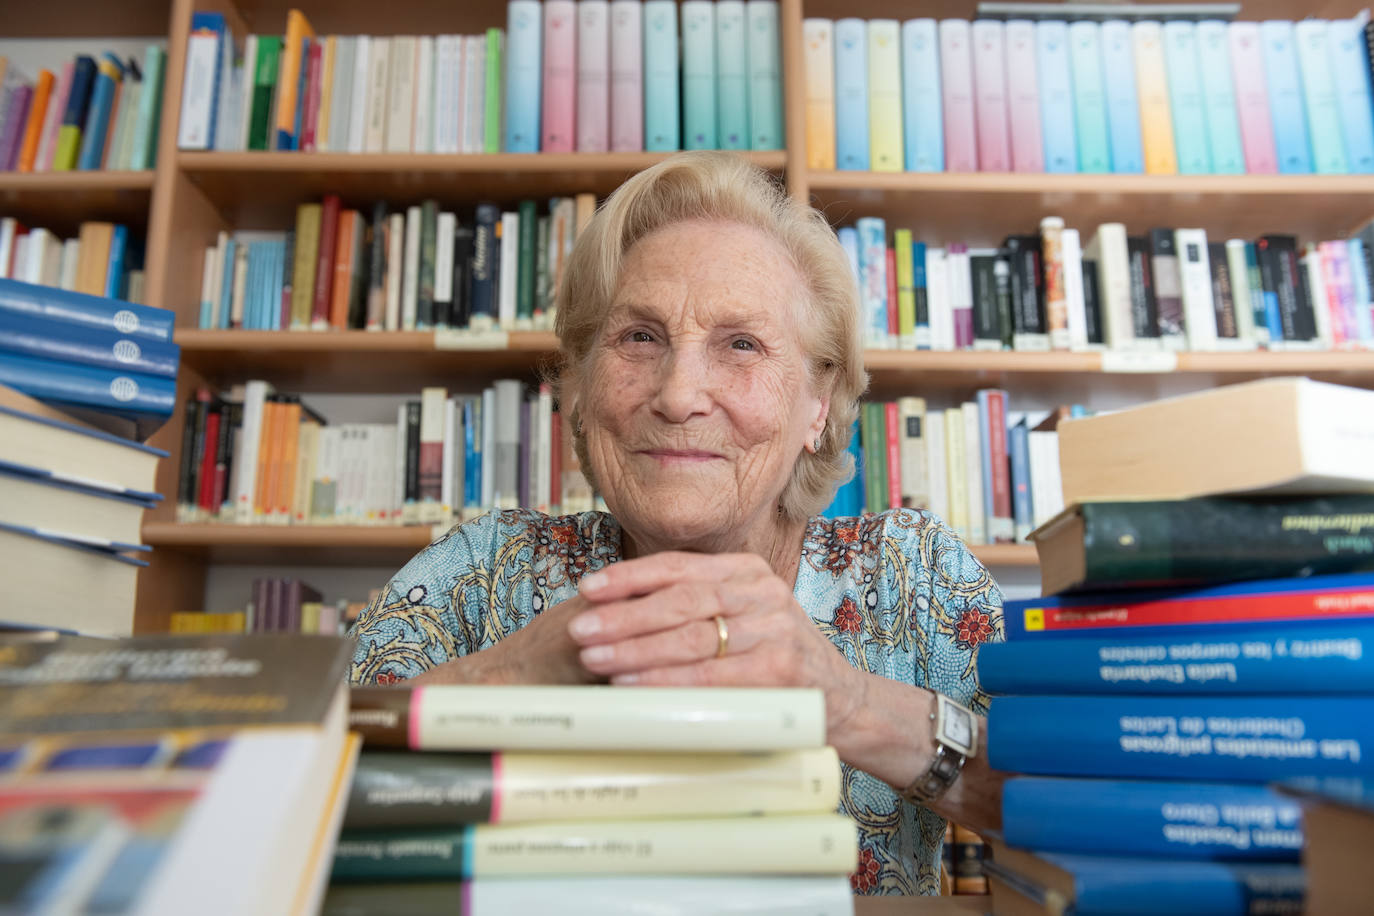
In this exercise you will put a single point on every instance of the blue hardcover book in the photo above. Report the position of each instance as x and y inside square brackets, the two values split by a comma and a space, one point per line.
[1319, 97]
[1364, 310]
[851, 95]
[923, 130]
[226, 285]
[1056, 96]
[274, 317]
[485, 261]
[1186, 100]
[732, 77]
[1089, 97]
[872, 242]
[114, 269]
[661, 116]
[472, 456]
[214, 22]
[145, 401]
[74, 115]
[1241, 739]
[109, 72]
[96, 488]
[1295, 658]
[699, 75]
[920, 287]
[1127, 886]
[524, 72]
[138, 321]
[1185, 820]
[252, 293]
[849, 498]
[1123, 102]
[1286, 107]
[765, 75]
[1219, 98]
[33, 335]
[1350, 72]
[1018, 450]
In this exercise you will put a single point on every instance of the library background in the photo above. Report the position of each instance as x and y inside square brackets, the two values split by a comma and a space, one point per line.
[277, 288]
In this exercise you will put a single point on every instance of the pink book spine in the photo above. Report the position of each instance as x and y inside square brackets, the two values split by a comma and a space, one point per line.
[956, 79]
[1023, 98]
[627, 79]
[593, 77]
[1252, 99]
[990, 96]
[560, 76]
[52, 121]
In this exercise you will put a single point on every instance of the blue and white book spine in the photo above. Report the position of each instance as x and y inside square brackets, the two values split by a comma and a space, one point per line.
[1295, 658]
[921, 288]
[114, 269]
[78, 484]
[849, 241]
[1089, 96]
[765, 75]
[1018, 450]
[851, 95]
[1186, 102]
[661, 116]
[1183, 820]
[226, 284]
[207, 288]
[254, 298]
[1123, 102]
[139, 321]
[36, 336]
[989, 507]
[1286, 107]
[732, 83]
[524, 73]
[699, 75]
[1219, 97]
[1056, 96]
[922, 116]
[1364, 308]
[108, 75]
[1350, 73]
[1241, 739]
[1319, 97]
[129, 395]
[848, 501]
[872, 238]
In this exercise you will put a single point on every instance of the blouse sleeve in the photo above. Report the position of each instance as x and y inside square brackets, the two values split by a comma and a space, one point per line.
[958, 607]
[417, 622]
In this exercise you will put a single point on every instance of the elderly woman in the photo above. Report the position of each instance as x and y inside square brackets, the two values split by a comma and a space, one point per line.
[711, 373]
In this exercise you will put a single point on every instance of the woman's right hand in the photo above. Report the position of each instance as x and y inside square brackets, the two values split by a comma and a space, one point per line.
[540, 653]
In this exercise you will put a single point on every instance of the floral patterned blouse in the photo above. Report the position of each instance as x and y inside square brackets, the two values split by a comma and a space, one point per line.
[898, 593]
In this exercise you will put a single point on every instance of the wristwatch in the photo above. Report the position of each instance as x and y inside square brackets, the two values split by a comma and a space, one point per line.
[956, 740]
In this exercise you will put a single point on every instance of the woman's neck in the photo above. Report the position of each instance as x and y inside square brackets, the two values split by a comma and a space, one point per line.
[780, 544]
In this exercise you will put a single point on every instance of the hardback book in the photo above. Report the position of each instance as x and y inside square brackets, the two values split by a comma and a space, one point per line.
[98, 514]
[617, 895]
[1350, 74]
[1018, 448]
[1152, 85]
[699, 68]
[1183, 820]
[1187, 97]
[812, 844]
[1219, 98]
[95, 312]
[977, 517]
[400, 94]
[590, 718]
[523, 75]
[923, 139]
[593, 77]
[992, 421]
[200, 83]
[1024, 254]
[915, 477]
[1056, 96]
[1023, 98]
[493, 57]
[765, 74]
[131, 402]
[290, 99]
[1252, 98]
[904, 266]
[1144, 305]
[1056, 294]
[1296, 435]
[1089, 97]
[1168, 288]
[1231, 738]
[1195, 281]
[34, 335]
[404, 789]
[818, 36]
[1109, 249]
[1226, 317]
[662, 117]
[65, 584]
[105, 95]
[1286, 106]
[957, 89]
[990, 89]
[1123, 102]
[558, 94]
[732, 74]
[1320, 100]
[851, 95]
[1311, 599]
[885, 96]
[1034, 882]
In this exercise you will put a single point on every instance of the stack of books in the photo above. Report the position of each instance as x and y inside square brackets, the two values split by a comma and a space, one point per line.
[171, 774]
[103, 260]
[1145, 96]
[592, 800]
[1171, 674]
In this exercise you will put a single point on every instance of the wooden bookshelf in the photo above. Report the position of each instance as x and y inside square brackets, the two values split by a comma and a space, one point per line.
[125, 19]
[61, 201]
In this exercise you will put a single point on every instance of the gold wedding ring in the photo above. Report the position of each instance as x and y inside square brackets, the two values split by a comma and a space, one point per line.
[722, 636]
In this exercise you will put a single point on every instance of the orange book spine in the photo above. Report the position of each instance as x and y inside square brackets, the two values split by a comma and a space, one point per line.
[270, 436]
[343, 270]
[286, 478]
[33, 131]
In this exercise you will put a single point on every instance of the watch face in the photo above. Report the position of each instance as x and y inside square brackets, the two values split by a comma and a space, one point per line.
[957, 726]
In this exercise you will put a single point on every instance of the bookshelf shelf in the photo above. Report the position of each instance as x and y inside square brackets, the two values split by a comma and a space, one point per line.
[126, 19]
[984, 207]
[266, 187]
[60, 201]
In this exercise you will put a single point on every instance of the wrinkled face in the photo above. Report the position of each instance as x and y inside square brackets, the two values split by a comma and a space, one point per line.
[697, 403]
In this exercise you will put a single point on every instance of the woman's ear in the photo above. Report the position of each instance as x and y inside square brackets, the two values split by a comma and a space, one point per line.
[817, 427]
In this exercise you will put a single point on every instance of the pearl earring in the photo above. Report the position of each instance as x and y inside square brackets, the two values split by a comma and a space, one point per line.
[816, 444]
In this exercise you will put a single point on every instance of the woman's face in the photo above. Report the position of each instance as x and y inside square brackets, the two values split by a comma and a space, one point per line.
[697, 403]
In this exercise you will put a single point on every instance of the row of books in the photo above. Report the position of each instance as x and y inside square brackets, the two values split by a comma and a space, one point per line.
[341, 268]
[593, 76]
[990, 473]
[1151, 699]
[1161, 98]
[91, 114]
[281, 605]
[103, 259]
[263, 458]
[1167, 290]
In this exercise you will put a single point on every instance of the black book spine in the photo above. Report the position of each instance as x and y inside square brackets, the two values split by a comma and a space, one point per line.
[376, 269]
[424, 307]
[462, 276]
[1144, 308]
[986, 322]
[1001, 272]
[921, 290]
[223, 445]
[1167, 283]
[231, 425]
[198, 447]
[1295, 313]
[1028, 283]
[1223, 299]
[360, 280]
[288, 269]
[403, 789]
[485, 261]
[412, 470]
[186, 478]
[1092, 304]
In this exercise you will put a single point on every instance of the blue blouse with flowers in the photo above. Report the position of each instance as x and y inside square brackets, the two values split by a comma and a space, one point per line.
[898, 593]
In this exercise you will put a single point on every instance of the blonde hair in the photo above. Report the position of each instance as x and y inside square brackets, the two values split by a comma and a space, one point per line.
[727, 187]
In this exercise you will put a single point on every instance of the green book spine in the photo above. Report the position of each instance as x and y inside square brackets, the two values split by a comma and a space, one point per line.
[543, 290]
[529, 233]
[1137, 544]
[424, 302]
[68, 146]
[264, 87]
[144, 155]
[495, 40]
[875, 457]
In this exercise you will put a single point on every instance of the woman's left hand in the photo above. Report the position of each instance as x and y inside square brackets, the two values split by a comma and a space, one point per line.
[653, 623]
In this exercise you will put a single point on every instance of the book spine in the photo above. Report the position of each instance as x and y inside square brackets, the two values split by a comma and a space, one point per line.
[1252, 98]
[988, 39]
[627, 74]
[699, 75]
[956, 83]
[126, 394]
[1023, 97]
[765, 74]
[1123, 102]
[998, 499]
[661, 94]
[524, 66]
[1219, 98]
[1056, 96]
[593, 76]
[1018, 446]
[851, 95]
[1187, 101]
[1321, 104]
[558, 94]
[873, 278]
[922, 97]
[140, 322]
[41, 337]
[885, 96]
[818, 52]
[1244, 739]
[1223, 300]
[1144, 305]
[1089, 96]
[1350, 73]
[1152, 87]
[1292, 145]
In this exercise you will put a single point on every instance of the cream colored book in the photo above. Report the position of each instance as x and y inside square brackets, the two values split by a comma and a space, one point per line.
[956, 475]
[973, 472]
[378, 96]
[400, 108]
[936, 475]
[1284, 435]
[911, 415]
[818, 57]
